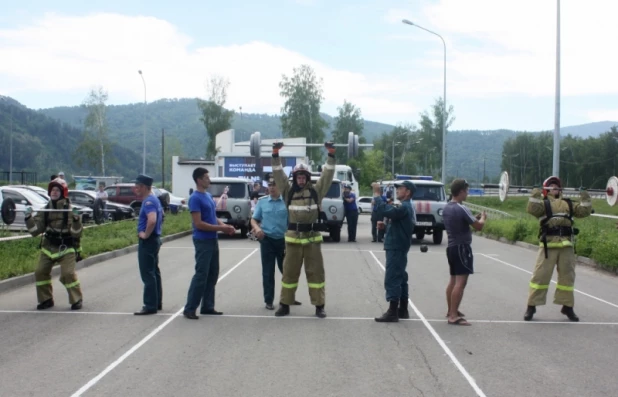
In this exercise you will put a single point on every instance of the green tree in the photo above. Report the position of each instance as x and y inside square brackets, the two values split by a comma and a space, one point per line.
[95, 143]
[214, 116]
[300, 114]
[348, 120]
[431, 132]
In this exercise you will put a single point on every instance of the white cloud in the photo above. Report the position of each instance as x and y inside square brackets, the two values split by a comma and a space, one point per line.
[71, 54]
[500, 48]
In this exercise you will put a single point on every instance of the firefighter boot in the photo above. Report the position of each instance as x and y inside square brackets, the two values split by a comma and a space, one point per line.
[283, 310]
[319, 311]
[77, 305]
[391, 314]
[403, 309]
[45, 305]
[529, 313]
[568, 311]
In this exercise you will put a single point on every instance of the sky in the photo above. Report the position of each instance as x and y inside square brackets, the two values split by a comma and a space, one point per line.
[500, 55]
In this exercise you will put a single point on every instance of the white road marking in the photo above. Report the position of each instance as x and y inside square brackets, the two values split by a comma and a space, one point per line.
[132, 350]
[437, 337]
[308, 317]
[529, 272]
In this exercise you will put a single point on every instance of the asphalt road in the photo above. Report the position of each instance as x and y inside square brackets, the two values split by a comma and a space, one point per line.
[104, 350]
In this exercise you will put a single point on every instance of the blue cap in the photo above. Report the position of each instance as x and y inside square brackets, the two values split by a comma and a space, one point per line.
[407, 184]
[144, 179]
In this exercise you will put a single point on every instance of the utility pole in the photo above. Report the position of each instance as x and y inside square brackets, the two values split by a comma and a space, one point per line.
[556, 162]
[484, 169]
[163, 158]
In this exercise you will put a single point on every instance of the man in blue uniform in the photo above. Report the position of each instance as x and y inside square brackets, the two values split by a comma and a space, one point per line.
[398, 240]
[205, 239]
[351, 211]
[149, 234]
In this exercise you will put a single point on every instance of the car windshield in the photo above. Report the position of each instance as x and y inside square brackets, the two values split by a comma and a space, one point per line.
[334, 191]
[233, 190]
[429, 193]
[33, 197]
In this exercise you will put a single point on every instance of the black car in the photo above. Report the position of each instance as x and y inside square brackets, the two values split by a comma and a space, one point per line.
[114, 211]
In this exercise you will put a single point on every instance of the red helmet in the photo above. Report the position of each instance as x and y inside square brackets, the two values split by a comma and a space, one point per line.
[301, 169]
[552, 180]
[61, 183]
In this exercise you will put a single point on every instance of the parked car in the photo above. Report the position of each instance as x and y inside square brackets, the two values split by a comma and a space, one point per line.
[87, 213]
[364, 204]
[177, 204]
[23, 198]
[115, 211]
[124, 193]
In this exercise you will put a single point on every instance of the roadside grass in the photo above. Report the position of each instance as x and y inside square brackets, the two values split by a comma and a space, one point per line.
[596, 239]
[21, 256]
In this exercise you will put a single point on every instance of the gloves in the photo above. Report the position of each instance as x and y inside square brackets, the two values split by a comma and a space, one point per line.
[74, 211]
[276, 147]
[28, 211]
[330, 147]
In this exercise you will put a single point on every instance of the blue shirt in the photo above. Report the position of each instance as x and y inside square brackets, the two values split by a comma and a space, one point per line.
[273, 216]
[150, 204]
[350, 206]
[205, 205]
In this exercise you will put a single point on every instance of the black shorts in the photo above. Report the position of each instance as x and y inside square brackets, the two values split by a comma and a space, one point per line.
[460, 259]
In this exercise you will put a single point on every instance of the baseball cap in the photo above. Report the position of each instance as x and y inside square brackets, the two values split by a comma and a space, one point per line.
[407, 184]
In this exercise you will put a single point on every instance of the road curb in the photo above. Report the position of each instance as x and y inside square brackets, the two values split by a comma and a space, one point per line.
[20, 281]
[581, 260]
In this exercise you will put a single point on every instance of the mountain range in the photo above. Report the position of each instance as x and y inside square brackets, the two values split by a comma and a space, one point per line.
[55, 132]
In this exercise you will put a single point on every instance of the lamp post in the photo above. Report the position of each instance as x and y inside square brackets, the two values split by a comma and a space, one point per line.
[444, 115]
[144, 125]
[556, 162]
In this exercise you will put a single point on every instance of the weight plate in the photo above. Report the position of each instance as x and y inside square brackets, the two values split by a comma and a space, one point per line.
[355, 146]
[611, 191]
[503, 187]
[8, 211]
[350, 145]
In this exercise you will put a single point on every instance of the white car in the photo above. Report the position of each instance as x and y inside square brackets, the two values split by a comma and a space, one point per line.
[176, 203]
[364, 204]
[22, 198]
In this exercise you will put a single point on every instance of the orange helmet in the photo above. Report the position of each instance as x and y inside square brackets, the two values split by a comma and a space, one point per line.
[552, 180]
[61, 183]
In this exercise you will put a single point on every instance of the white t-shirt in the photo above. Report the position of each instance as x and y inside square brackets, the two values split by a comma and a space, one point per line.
[102, 195]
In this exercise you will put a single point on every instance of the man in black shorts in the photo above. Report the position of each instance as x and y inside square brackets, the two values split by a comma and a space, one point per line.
[457, 221]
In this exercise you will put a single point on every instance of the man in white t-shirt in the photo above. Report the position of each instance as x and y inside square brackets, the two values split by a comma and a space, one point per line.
[102, 194]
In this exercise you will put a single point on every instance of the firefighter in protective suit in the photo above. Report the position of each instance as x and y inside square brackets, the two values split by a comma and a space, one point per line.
[303, 239]
[60, 244]
[556, 236]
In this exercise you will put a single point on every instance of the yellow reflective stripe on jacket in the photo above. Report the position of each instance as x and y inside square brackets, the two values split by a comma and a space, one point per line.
[565, 287]
[315, 285]
[557, 244]
[58, 254]
[538, 286]
[307, 240]
[72, 285]
[286, 285]
[44, 282]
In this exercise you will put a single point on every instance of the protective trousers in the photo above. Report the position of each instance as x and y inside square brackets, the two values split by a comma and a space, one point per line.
[295, 255]
[396, 276]
[68, 277]
[565, 259]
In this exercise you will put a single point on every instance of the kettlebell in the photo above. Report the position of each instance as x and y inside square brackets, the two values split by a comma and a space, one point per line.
[424, 248]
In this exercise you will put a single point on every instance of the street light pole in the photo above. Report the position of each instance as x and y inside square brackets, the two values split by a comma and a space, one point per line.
[144, 125]
[444, 115]
[556, 162]
[10, 142]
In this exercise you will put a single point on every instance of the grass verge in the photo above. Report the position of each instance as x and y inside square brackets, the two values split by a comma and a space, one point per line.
[21, 256]
[596, 240]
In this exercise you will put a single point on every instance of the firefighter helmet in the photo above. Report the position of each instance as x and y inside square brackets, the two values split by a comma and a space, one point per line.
[552, 180]
[60, 183]
[301, 169]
